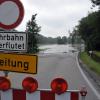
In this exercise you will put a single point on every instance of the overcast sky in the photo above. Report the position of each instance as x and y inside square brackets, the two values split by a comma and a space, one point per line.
[56, 17]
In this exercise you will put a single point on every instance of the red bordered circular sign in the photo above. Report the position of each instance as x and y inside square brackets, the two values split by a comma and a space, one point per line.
[18, 6]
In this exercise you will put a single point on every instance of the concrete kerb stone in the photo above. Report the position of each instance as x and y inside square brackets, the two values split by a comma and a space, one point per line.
[93, 77]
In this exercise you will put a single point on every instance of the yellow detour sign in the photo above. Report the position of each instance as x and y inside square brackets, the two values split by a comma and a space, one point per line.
[23, 63]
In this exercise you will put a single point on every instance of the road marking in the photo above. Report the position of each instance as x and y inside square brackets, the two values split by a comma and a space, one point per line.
[89, 83]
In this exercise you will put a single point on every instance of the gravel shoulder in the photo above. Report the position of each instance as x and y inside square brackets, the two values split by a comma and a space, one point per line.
[92, 76]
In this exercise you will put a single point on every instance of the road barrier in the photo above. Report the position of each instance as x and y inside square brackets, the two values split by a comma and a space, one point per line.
[16, 94]
[30, 90]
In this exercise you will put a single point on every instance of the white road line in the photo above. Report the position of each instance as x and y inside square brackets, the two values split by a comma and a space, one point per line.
[89, 83]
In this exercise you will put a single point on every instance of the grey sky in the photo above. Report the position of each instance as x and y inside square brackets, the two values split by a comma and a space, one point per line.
[55, 17]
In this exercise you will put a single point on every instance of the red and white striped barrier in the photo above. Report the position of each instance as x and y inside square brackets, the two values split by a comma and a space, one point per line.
[16, 94]
[29, 92]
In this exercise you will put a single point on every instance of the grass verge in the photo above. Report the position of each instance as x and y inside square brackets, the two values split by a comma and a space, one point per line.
[97, 53]
[93, 65]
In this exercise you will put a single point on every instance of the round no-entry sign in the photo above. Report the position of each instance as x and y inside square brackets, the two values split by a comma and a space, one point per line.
[11, 13]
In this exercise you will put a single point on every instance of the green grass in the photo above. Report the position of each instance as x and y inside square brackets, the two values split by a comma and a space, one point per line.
[97, 53]
[93, 65]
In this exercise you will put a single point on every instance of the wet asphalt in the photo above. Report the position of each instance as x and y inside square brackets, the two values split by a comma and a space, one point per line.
[51, 66]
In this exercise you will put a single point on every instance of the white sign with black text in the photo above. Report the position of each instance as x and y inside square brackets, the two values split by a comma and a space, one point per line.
[13, 41]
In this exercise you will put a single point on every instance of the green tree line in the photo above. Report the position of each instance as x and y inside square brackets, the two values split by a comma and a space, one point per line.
[89, 30]
[50, 40]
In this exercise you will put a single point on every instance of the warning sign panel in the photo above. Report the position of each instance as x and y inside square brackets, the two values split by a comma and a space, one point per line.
[13, 41]
[21, 63]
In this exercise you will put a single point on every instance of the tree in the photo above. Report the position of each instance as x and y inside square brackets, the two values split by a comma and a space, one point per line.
[32, 29]
[62, 40]
[75, 36]
[59, 40]
[96, 2]
[89, 30]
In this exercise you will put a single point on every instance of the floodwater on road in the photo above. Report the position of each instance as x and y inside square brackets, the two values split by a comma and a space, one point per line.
[56, 48]
[54, 61]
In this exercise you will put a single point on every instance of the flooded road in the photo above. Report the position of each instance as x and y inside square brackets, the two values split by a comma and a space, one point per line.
[56, 48]
[55, 61]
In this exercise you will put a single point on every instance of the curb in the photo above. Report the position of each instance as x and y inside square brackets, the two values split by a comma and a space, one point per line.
[94, 78]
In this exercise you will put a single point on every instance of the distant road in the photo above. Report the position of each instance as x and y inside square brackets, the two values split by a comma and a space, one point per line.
[51, 66]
